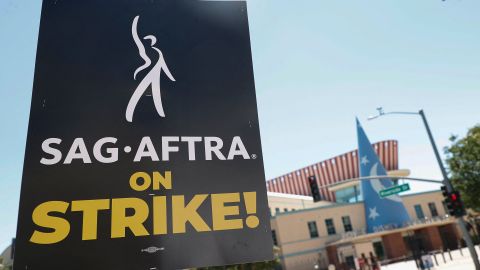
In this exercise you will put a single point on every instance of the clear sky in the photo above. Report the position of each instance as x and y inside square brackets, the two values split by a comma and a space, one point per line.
[317, 64]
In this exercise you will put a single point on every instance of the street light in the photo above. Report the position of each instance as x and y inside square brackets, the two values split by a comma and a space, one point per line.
[446, 180]
[382, 113]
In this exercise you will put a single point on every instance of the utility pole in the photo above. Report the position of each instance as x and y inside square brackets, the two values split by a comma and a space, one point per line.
[448, 184]
[446, 180]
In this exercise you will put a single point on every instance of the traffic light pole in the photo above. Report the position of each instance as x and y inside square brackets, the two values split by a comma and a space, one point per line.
[446, 181]
[448, 184]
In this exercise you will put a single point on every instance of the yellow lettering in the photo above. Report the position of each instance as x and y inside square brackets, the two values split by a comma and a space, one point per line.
[60, 226]
[188, 213]
[159, 215]
[147, 181]
[90, 210]
[158, 180]
[120, 221]
[220, 211]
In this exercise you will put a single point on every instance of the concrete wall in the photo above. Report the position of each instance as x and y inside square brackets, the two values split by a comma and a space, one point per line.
[299, 251]
[289, 202]
[423, 199]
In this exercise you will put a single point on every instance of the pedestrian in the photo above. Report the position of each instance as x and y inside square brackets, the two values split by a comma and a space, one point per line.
[374, 262]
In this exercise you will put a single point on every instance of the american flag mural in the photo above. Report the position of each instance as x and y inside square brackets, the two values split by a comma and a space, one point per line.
[331, 171]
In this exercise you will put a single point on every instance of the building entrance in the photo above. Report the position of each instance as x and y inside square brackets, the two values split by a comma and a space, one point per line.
[379, 250]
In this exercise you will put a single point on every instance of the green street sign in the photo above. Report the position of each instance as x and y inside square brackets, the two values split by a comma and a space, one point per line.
[394, 190]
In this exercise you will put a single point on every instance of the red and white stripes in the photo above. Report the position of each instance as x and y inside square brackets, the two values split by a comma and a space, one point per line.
[332, 171]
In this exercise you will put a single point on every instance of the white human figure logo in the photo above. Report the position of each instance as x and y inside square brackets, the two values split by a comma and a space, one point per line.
[151, 79]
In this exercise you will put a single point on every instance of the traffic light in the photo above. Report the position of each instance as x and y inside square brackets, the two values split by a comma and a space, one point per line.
[444, 192]
[454, 203]
[312, 181]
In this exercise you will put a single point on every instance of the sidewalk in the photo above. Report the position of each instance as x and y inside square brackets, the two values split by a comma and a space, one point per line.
[459, 262]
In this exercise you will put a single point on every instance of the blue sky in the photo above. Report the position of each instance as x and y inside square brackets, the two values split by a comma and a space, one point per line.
[317, 64]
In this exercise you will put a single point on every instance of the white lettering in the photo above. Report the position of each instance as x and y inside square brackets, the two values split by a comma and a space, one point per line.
[166, 148]
[78, 144]
[105, 150]
[237, 143]
[210, 148]
[57, 155]
[146, 149]
[97, 150]
[191, 145]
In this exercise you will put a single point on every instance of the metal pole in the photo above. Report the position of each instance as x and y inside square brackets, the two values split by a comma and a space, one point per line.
[448, 184]
[367, 178]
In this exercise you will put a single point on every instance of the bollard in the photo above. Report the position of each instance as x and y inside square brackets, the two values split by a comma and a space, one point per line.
[450, 254]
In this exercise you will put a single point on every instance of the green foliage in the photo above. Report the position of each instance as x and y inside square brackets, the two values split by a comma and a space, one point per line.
[269, 265]
[463, 160]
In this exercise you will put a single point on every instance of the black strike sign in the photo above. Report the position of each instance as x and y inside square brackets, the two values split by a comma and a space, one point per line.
[143, 148]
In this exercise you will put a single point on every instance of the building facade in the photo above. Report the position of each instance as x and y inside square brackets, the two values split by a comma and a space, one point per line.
[6, 258]
[332, 171]
[334, 233]
[310, 235]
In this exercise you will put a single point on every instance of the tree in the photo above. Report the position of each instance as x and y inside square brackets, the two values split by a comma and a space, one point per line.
[269, 265]
[463, 161]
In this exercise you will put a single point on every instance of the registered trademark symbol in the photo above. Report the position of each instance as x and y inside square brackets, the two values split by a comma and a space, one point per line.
[254, 156]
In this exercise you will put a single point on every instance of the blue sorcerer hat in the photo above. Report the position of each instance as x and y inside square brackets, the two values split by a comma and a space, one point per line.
[379, 212]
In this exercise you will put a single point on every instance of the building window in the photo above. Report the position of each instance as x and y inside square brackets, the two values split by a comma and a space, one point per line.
[347, 224]
[419, 211]
[350, 261]
[330, 226]
[274, 237]
[348, 195]
[433, 209]
[312, 227]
